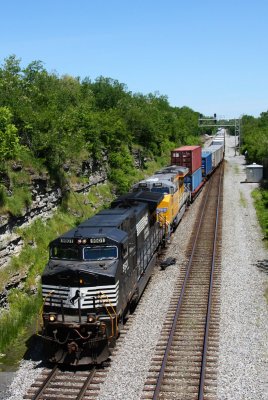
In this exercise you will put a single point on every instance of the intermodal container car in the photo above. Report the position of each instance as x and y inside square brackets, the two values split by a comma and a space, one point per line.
[217, 154]
[193, 180]
[206, 162]
[187, 156]
[217, 141]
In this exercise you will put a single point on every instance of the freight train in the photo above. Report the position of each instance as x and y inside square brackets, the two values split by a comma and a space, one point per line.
[97, 272]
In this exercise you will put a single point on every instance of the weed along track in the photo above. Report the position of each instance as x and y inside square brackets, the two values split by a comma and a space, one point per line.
[184, 365]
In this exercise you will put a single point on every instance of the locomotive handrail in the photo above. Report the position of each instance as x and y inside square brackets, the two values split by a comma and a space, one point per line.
[164, 225]
[39, 320]
[101, 295]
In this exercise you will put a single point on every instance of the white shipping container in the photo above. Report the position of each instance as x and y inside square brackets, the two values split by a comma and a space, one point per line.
[217, 154]
[217, 141]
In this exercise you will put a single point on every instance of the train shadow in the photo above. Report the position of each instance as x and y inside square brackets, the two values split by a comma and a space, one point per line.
[35, 350]
[262, 265]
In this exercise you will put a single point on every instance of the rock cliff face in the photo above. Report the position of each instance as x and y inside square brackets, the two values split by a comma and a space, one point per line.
[45, 200]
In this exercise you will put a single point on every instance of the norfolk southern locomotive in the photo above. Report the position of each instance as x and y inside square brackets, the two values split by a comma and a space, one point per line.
[95, 275]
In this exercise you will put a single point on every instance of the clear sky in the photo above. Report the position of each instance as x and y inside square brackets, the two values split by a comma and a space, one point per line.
[211, 56]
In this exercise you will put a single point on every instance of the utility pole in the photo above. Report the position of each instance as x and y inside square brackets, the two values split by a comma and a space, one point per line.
[237, 135]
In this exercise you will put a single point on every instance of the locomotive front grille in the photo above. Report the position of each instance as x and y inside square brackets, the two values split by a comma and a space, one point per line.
[68, 297]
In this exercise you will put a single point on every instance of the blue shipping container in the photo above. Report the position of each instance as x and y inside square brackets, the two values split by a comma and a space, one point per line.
[206, 162]
[194, 180]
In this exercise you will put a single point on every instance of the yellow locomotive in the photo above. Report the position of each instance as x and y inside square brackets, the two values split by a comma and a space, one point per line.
[170, 182]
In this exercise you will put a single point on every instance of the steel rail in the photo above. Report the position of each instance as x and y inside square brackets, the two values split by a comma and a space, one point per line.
[171, 334]
[40, 391]
[86, 383]
[205, 345]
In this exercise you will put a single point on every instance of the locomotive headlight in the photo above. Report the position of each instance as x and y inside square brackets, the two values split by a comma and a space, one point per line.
[91, 318]
[52, 317]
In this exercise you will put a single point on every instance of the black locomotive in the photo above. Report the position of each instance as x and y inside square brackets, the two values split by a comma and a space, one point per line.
[95, 275]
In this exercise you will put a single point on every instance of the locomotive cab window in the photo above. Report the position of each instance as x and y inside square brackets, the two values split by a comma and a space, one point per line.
[65, 252]
[164, 190]
[100, 253]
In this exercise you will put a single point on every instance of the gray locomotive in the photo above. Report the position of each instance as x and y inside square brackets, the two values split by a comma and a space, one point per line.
[95, 275]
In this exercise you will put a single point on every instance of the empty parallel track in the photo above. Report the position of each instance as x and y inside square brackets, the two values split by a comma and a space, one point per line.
[185, 361]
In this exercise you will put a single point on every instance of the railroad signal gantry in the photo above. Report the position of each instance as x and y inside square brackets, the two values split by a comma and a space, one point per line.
[222, 123]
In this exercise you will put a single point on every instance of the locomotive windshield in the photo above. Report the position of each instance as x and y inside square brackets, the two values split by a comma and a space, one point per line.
[161, 189]
[65, 252]
[100, 253]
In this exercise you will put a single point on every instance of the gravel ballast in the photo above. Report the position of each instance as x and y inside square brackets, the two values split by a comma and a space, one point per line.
[242, 368]
[243, 357]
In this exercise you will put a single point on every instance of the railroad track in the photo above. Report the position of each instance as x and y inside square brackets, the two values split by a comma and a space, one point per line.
[185, 361]
[58, 384]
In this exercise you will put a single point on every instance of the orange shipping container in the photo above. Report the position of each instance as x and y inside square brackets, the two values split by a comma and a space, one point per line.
[187, 156]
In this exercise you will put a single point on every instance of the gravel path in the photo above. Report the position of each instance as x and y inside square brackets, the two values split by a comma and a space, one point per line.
[243, 341]
[243, 361]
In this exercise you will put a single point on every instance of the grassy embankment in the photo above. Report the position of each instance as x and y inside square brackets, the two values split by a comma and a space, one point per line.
[260, 197]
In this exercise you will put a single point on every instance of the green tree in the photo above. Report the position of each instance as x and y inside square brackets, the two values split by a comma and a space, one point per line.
[255, 137]
[9, 140]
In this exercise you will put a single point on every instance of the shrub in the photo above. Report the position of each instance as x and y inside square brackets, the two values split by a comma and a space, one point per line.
[22, 309]
[2, 196]
[20, 200]
[261, 203]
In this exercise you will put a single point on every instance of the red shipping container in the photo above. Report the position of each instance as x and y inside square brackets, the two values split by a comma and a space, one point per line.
[187, 156]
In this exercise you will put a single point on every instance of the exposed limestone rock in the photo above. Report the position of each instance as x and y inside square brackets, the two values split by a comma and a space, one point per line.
[45, 200]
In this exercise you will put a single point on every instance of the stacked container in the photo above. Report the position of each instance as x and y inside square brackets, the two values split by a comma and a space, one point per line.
[193, 181]
[217, 154]
[217, 141]
[206, 162]
[189, 157]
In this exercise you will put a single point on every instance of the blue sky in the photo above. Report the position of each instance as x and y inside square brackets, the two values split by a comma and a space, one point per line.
[211, 56]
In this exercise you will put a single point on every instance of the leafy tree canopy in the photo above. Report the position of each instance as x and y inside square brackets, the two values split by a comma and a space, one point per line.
[57, 118]
[9, 139]
[255, 137]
